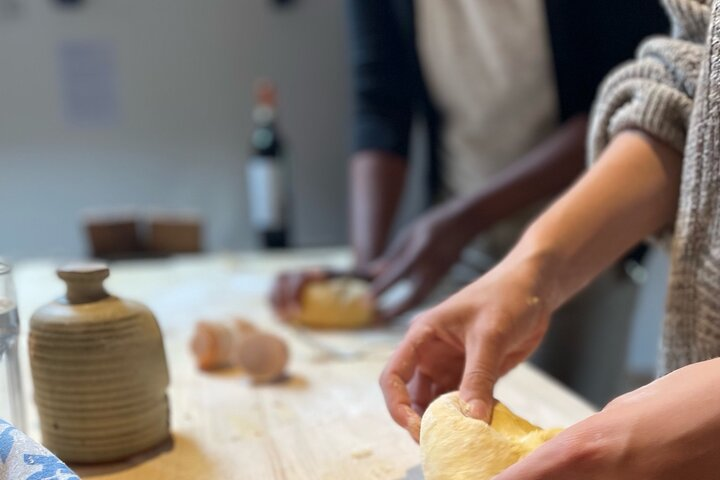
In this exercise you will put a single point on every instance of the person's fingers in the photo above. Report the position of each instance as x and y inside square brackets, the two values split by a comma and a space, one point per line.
[399, 244]
[420, 389]
[556, 460]
[440, 389]
[293, 291]
[483, 359]
[418, 291]
[377, 266]
[444, 365]
[397, 374]
[277, 296]
[531, 469]
[274, 295]
[286, 292]
[295, 285]
[393, 264]
[396, 269]
[373, 269]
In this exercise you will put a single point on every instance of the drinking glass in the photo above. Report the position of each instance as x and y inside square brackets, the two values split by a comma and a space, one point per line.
[11, 395]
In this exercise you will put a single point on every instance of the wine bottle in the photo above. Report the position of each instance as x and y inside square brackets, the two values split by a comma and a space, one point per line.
[267, 172]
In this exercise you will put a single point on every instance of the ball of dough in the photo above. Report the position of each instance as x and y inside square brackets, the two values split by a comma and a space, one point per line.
[457, 447]
[342, 302]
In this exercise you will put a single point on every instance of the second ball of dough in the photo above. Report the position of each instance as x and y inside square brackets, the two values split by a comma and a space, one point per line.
[342, 302]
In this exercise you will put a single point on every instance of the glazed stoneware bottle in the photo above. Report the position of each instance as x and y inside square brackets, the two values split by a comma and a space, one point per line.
[99, 370]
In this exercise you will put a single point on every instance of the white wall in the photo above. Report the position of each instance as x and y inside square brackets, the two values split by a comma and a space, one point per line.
[185, 70]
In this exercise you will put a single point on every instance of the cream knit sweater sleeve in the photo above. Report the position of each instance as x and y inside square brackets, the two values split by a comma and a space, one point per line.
[655, 92]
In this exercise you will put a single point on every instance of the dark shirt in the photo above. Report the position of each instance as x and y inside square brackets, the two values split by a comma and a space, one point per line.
[588, 38]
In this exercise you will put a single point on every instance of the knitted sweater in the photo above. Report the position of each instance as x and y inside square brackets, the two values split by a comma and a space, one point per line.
[672, 92]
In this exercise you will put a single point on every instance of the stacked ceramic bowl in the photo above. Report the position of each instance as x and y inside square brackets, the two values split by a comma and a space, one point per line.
[99, 372]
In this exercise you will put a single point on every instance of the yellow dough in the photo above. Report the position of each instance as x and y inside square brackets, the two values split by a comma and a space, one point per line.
[457, 447]
[342, 302]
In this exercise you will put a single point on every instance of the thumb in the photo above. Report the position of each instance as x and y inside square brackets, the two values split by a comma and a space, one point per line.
[549, 461]
[483, 359]
[392, 272]
[372, 269]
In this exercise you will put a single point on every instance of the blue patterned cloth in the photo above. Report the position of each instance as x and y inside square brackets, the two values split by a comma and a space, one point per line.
[23, 459]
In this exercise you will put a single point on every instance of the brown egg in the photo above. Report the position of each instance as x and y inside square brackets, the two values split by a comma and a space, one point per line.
[238, 343]
[263, 356]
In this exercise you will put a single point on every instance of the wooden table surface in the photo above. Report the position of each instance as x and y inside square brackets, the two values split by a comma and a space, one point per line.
[327, 421]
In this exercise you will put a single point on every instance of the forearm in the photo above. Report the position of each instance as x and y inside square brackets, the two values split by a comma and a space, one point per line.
[376, 183]
[542, 173]
[629, 194]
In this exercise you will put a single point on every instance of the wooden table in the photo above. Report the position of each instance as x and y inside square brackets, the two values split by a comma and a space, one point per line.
[327, 421]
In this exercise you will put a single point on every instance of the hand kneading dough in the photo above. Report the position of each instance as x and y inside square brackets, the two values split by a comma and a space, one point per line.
[342, 302]
[457, 447]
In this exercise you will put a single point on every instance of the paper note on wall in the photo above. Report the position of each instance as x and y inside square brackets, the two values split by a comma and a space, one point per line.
[88, 83]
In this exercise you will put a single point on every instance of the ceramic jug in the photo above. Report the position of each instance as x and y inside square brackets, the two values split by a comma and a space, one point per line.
[99, 372]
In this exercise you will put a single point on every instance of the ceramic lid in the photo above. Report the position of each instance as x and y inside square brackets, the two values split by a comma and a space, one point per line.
[84, 281]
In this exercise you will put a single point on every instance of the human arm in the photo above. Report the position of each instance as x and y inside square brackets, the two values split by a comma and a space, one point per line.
[383, 79]
[376, 183]
[426, 249]
[489, 327]
[631, 192]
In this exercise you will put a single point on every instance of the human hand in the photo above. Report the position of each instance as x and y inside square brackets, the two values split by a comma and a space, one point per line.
[467, 342]
[664, 431]
[422, 253]
[287, 290]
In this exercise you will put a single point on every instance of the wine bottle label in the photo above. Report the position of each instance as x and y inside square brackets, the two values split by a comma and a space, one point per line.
[265, 192]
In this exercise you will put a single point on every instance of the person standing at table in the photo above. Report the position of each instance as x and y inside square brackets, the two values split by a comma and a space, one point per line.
[504, 88]
[655, 149]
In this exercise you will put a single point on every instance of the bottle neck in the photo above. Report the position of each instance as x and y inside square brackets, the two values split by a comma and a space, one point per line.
[85, 292]
[263, 115]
